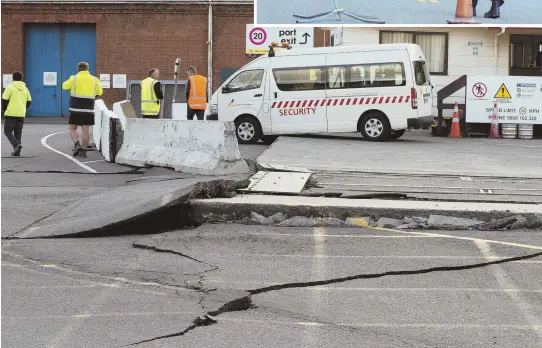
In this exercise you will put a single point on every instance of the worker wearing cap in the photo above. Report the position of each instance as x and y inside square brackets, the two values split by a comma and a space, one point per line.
[151, 94]
[196, 94]
[84, 89]
[15, 100]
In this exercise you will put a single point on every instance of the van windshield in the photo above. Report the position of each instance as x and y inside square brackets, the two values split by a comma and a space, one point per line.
[421, 74]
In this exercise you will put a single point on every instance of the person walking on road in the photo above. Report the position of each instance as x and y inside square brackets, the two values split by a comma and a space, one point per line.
[151, 94]
[15, 100]
[196, 94]
[84, 89]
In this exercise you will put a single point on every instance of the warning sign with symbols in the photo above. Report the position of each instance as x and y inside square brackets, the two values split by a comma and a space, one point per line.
[517, 98]
[503, 92]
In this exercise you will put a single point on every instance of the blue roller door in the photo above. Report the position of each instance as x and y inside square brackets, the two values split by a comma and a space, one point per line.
[42, 54]
[55, 48]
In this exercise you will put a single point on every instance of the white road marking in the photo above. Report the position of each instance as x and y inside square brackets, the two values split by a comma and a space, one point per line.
[486, 191]
[336, 235]
[99, 315]
[438, 235]
[102, 160]
[71, 158]
[466, 178]
[443, 326]
[506, 282]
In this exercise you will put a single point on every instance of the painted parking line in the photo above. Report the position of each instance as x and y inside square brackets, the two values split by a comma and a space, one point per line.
[71, 158]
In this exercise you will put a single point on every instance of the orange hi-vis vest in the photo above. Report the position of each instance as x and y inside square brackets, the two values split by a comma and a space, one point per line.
[197, 100]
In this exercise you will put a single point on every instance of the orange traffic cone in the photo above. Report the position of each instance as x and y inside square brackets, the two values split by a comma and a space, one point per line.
[494, 132]
[455, 132]
[463, 13]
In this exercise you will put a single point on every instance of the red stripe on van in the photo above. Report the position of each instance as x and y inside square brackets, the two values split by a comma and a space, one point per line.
[310, 103]
[273, 106]
[342, 102]
[305, 103]
[354, 101]
[374, 100]
[335, 102]
[292, 103]
[400, 99]
[329, 101]
[298, 103]
[407, 99]
[381, 100]
[280, 104]
[368, 101]
[322, 103]
[360, 101]
[394, 99]
[388, 100]
[348, 101]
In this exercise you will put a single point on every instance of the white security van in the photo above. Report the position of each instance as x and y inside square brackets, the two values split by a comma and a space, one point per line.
[378, 90]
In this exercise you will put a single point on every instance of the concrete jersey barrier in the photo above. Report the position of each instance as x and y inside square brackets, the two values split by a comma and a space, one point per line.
[99, 108]
[196, 147]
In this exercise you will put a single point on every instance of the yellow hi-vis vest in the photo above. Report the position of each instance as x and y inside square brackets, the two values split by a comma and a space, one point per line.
[18, 95]
[197, 100]
[83, 88]
[149, 101]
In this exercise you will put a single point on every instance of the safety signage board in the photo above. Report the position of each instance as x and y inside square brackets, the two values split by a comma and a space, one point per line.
[259, 38]
[518, 99]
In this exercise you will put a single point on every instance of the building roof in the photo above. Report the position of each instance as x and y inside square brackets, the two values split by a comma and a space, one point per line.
[236, 2]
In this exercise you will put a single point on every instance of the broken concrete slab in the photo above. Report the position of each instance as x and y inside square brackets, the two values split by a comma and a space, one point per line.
[126, 210]
[388, 223]
[451, 223]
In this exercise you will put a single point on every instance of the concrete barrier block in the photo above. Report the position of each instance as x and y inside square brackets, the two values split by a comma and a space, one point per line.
[195, 147]
[107, 134]
[99, 108]
[124, 110]
[178, 111]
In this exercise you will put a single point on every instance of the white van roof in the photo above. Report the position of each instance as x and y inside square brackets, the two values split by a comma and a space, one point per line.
[412, 48]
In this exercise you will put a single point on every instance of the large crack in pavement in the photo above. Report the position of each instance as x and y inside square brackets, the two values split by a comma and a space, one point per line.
[243, 303]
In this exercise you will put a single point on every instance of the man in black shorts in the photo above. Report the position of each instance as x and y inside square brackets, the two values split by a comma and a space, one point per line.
[84, 89]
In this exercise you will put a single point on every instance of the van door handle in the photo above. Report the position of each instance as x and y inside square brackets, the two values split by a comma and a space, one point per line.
[258, 95]
[276, 95]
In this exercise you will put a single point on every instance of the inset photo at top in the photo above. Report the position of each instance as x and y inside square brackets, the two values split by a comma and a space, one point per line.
[399, 12]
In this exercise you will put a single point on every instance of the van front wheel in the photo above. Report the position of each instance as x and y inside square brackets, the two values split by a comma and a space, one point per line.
[247, 130]
[375, 127]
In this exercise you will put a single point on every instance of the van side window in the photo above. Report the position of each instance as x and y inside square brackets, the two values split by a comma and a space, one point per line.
[245, 80]
[336, 77]
[377, 75]
[299, 79]
[420, 72]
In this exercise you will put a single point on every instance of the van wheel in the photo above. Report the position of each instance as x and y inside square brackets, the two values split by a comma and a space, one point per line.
[375, 127]
[396, 134]
[247, 130]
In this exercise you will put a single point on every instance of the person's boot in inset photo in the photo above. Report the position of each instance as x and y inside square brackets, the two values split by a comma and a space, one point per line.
[494, 12]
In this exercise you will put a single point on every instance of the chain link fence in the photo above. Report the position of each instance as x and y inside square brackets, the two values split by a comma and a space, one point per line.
[133, 93]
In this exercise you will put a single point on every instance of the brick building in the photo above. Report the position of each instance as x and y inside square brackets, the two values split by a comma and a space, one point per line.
[120, 37]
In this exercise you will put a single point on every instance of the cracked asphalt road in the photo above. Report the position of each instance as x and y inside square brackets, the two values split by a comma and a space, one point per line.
[117, 291]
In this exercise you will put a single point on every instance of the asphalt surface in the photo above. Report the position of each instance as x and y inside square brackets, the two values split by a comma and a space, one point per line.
[417, 164]
[105, 292]
[392, 11]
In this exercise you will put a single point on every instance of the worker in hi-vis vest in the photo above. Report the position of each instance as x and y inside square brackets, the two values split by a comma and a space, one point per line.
[151, 94]
[84, 89]
[196, 94]
[15, 100]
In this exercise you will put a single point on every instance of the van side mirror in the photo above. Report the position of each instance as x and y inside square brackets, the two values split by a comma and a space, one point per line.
[226, 89]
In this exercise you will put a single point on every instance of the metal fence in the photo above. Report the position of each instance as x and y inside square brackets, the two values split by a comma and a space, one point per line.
[133, 93]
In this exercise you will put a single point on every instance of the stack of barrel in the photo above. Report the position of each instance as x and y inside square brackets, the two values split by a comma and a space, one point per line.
[514, 131]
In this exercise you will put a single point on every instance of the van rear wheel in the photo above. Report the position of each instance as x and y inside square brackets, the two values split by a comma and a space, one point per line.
[375, 127]
[247, 130]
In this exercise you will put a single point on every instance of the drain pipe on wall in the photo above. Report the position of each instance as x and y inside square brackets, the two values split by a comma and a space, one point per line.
[497, 49]
[210, 52]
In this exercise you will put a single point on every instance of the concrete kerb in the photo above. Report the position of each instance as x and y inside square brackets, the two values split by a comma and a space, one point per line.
[202, 148]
